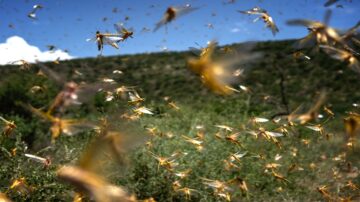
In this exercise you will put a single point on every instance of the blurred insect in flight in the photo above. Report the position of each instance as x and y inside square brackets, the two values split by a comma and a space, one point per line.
[32, 14]
[264, 15]
[320, 32]
[344, 56]
[89, 175]
[125, 33]
[351, 36]
[24, 64]
[59, 125]
[4, 198]
[352, 125]
[66, 97]
[107, 39]
[57, 61]
[218, 75]
[94, 185]
[172, 13]
[330, 2]
[229, 2]
[71, 93]
[213, 75]
[51, 48]
[311, 114]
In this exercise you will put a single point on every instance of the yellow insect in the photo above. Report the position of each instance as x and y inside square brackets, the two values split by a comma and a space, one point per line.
[143, 110]
[241, 184]
[343, 55]
[59, 125]
[106, 39]
[228, 165]
[311, 114]
[259, 120]
[97, 160]
[272, 165]
[318, 128]
[352, 186]
[134, 98]
[4, 198]
[221, 189]
[168, 163]
[218, 75]
[215, 76]
[187, 192]
[20, 185]
[24, 65]
[174, 106]
[195, 141]
[324, 192]
[279, 177]
[269, 22]
[329, 112]
[352, 125]
[225, 127]
[237, 156]
[125, 33]
[123, 90]
[94, 185]
[320, 32]
[183, 174]
[36, 89]
[233, 138]
[9, 126]
[78, 197]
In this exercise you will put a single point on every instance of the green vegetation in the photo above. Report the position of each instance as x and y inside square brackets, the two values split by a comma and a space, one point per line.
[325, 160]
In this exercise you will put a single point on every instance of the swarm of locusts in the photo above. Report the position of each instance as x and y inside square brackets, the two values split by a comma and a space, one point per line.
[114, 136]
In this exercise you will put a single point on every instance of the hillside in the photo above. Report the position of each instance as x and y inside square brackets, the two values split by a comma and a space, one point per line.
[279, 84]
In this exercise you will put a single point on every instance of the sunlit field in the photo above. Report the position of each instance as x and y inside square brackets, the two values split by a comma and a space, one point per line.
[274, 120]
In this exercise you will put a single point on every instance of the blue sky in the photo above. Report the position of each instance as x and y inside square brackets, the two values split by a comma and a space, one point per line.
[68, 23]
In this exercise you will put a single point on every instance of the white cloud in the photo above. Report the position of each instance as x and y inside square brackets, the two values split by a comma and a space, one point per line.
[235, 30]
[240, 27]
[16, 48]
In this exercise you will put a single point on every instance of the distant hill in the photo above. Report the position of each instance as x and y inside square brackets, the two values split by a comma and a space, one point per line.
[166, 74]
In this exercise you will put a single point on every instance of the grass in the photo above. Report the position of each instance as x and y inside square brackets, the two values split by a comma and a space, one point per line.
[305, 166]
